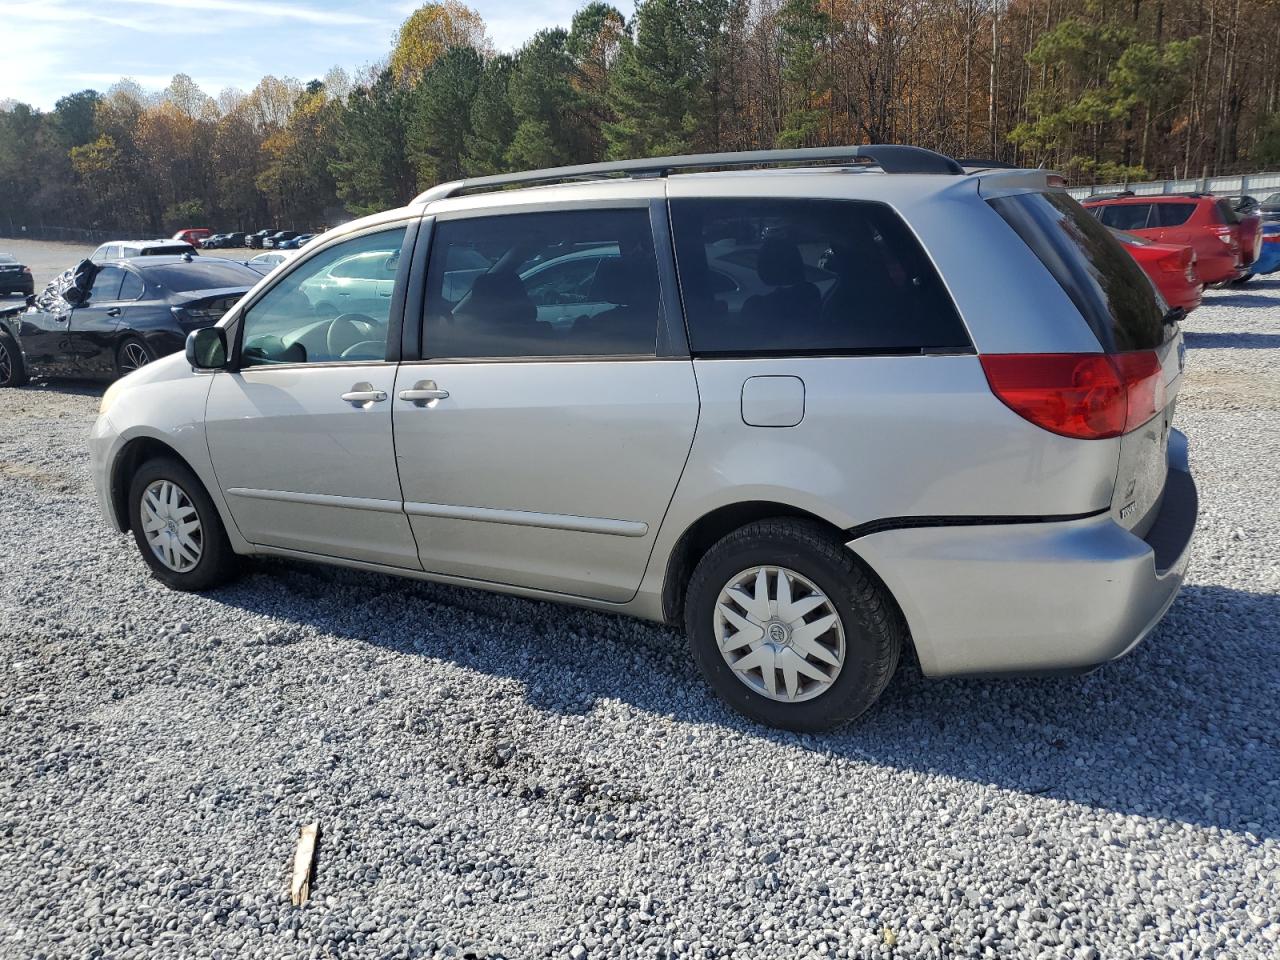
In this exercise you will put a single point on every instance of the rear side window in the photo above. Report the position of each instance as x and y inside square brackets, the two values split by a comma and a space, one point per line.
[1172, 214]
[1103, 281]
[808, 277]
[577, 283]
[106, 285]
[132, 288]
[1126, 216]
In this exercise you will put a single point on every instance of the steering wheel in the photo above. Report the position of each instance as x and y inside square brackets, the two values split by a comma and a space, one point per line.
[345, 331]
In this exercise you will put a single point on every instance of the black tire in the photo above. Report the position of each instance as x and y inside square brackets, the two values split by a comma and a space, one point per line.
[13, 372]
[217, 561]
[874, 631]
[1242, 280]
[131, 354]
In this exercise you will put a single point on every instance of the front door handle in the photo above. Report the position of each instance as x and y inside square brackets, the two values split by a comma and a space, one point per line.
[363, 394]
[113, 312]
[423, 392]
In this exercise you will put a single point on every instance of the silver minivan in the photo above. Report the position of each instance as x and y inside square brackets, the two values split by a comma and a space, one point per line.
[820, 407]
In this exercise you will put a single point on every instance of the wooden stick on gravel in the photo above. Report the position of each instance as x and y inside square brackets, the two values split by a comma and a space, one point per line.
[303, 861]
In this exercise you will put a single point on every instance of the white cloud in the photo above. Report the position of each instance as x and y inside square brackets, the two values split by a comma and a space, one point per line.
[300, 12]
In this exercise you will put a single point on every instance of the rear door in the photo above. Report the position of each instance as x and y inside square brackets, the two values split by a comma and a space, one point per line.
[539, 446]
[91, 332]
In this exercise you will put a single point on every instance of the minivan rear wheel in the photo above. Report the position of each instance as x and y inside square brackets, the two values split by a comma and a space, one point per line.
[789, 628]
[177, 527]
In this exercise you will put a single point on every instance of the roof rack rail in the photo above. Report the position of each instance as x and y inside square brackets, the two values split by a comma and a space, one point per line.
[984, 164]
[891, 158]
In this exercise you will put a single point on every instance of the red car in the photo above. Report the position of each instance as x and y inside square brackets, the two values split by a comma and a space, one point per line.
[1206, 224]
[1171, 267]
[193, 235]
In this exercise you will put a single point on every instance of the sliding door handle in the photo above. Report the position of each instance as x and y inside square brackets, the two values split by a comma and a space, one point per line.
[423, 392]
[363, 394]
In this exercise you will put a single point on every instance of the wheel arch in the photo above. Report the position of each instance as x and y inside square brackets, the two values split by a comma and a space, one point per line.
[704, 532]
[132, 456]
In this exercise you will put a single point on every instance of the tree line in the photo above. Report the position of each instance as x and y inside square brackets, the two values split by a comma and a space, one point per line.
[1099, 89]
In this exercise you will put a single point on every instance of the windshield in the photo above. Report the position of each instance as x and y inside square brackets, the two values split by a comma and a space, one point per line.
[182, 277]
[1103, 281]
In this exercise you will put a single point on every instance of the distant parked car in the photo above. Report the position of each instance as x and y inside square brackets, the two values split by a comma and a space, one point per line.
[296, 243]
[1170, 267]
[234, 239]
[1243, 204]
[256, 240]
[1270, 208]
[124, 249]
[272, 242]
[266, 262]
[193, 235]
[15, 277]
[105, 320]
[214, 242]
[1207, 224]
[1269, 256]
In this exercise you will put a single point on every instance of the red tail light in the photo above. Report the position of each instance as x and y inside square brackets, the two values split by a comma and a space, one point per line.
[1174, 263]
[1087, 396]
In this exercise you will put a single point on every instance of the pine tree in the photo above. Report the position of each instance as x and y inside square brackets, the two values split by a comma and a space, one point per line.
[493, 122]
[440, 121]
[653, 90]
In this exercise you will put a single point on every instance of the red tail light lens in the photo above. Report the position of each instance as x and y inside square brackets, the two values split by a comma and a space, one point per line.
[1172, 263]
[1089, 396]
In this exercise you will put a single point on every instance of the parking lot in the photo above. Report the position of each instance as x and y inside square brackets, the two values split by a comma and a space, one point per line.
[47, 259]
[495, 777]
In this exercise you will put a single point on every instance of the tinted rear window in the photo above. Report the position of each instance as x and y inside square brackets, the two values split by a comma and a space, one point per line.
[815, 277]
[1103, 281]
[181, 277]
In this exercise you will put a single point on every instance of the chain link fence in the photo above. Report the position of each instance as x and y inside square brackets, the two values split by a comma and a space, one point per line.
[1258, 185]
[81, 235]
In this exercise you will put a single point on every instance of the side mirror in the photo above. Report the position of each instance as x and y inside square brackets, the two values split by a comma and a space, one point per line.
[74, 296]
[31, 300]
[207, 348]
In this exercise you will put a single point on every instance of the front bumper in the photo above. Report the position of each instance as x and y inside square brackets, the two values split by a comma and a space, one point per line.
[1037, 597]
[101, 439]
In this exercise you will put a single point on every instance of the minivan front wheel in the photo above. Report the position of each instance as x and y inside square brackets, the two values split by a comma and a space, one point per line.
[788, 627]
[177, 527]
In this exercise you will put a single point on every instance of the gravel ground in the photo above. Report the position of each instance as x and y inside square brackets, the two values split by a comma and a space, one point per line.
[502, 778]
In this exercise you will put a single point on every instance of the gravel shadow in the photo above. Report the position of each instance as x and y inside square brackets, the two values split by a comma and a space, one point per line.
[1242, 300]
[1240, 341]
[1181, 729]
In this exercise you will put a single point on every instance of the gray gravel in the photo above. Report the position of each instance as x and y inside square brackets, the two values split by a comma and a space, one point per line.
[502, 778]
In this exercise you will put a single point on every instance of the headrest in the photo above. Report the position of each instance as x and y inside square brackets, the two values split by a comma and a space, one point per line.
[778, 263]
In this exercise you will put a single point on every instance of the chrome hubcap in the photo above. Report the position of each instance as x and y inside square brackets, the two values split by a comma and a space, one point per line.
[779, 633]
[133, 356]
[172, 526]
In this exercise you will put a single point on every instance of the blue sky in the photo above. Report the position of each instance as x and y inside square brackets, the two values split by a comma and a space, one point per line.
[55, 47]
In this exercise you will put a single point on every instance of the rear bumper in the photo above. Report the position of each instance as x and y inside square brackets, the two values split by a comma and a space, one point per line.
[1268, 260]
[1037, 597]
